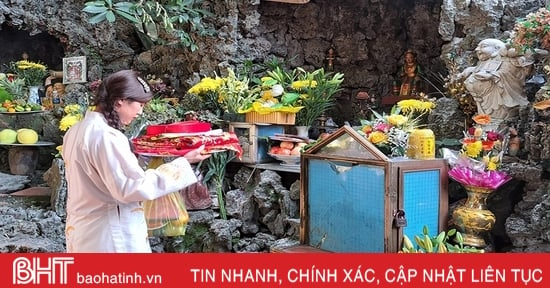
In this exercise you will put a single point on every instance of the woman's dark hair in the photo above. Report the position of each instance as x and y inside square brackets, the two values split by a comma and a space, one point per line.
[121, 85]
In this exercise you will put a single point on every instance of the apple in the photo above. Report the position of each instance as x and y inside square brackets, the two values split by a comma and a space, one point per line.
[284, 151]
[287, 145]
[274, 150]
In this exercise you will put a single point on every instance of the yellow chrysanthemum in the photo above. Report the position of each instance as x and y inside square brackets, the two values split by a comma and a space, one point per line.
[207, 84]
[72, 109]
[24, 65]
[414, 105]
[397, 119]
[68, 121]
[473, 149]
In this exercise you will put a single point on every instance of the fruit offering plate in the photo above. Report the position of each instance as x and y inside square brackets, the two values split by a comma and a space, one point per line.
[288, 160]
[39, 143]
[23, 112]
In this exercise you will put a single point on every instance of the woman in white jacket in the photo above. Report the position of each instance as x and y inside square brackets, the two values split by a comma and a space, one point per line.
[106, 184]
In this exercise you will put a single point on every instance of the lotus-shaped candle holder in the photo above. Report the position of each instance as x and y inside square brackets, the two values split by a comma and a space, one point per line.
[491, 179]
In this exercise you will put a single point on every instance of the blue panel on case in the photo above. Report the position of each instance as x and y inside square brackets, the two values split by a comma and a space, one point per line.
[421, 201]
[346, 206]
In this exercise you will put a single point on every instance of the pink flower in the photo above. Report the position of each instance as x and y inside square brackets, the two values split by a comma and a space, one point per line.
[384, 127]
[493, 136]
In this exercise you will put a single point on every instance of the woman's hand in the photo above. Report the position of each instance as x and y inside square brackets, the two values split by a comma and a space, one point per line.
[197, 155]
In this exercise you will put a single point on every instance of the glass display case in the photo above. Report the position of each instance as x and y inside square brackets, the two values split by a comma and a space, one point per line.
[356, 199]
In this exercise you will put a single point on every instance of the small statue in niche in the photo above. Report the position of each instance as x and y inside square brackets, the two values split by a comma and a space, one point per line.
[496, 82]
[330, 59]
[409, 77]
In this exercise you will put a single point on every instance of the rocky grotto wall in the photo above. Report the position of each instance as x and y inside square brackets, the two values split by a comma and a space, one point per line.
[368, 37]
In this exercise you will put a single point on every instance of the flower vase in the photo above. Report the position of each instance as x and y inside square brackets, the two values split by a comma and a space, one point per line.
[302, 131]
[34, 97]
[473, 219]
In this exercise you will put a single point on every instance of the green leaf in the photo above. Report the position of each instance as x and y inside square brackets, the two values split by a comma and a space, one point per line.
[97, 18]
[95, 3]
[126, 6]
[289, 98]
[440, 238]
[270, 82]
[459, 238]
[110, 16]
[451, 232]
[428, 243]
[419, 242]
[128, 16]
[407, 244]
[94, 9]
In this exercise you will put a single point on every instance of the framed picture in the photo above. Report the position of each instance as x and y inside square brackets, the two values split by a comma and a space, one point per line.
[74, 70]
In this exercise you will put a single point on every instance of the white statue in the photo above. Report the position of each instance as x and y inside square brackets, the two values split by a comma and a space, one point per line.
[497, 82]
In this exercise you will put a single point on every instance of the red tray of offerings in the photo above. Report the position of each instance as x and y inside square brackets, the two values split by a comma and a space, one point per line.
[179, 127]
[179, 144]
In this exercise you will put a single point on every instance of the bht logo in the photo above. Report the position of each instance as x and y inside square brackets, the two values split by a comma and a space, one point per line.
[29, 270]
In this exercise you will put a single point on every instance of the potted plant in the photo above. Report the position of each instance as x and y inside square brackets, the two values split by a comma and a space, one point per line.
[306, 94]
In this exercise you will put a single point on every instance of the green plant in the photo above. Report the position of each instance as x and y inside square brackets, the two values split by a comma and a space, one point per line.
[216, 165]
[157, 21]
[14, 87]
[316, 99]
[235, 93]
[309, 94]
[450, 241]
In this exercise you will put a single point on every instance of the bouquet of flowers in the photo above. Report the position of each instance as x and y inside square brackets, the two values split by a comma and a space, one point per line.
[228, 94]
[309, 94]
[390, 133]
[276, 93]
[480, 157]
[33, 72]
